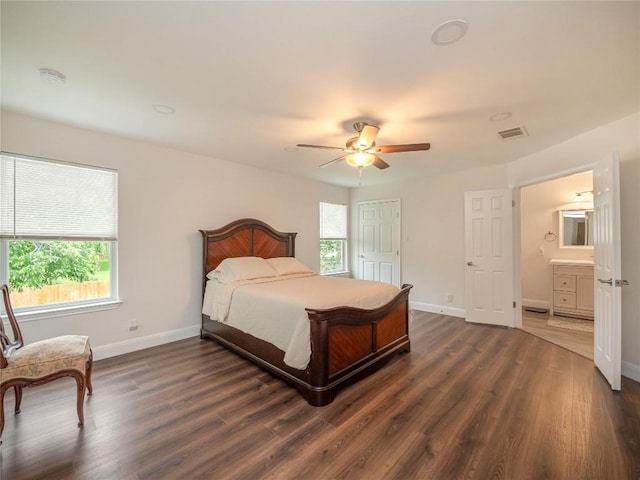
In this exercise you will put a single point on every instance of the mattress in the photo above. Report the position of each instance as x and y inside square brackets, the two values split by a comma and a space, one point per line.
[273, 309]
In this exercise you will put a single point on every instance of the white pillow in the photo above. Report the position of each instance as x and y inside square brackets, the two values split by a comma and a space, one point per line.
[241, 268]
[288, 265]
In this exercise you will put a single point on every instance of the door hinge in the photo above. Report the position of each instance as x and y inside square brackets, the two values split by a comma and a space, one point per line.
[513, 203]
[514, 304]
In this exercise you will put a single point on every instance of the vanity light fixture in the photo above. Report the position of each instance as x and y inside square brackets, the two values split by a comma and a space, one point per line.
[581, 201]
[580, 196]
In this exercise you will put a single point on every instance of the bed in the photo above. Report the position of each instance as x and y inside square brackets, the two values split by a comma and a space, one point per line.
[346, 343]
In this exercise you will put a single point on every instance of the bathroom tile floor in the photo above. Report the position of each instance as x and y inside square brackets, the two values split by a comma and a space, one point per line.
[575, 341]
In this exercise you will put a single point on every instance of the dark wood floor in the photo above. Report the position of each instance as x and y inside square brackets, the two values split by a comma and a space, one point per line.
[468, 402]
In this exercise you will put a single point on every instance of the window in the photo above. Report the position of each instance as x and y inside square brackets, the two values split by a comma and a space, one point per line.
[333, 238]
[58, 233]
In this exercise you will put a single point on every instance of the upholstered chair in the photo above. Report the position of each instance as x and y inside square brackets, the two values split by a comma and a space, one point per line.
[41, 362]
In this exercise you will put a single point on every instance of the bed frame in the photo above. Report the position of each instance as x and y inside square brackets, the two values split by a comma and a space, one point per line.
[347, 343]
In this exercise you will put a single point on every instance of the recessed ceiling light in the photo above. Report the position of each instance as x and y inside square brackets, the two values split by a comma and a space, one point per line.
[291, 149]
[449, 32]
[498, 117]
[52, 76]
[164, 109]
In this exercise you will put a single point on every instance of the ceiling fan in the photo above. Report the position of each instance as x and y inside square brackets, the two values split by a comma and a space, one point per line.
[361, 151]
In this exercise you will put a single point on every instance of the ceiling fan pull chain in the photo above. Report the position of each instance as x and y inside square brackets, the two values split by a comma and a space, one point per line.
[360, 172]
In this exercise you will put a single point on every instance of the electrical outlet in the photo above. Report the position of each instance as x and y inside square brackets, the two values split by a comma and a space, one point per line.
[133, 324]
[449, 297]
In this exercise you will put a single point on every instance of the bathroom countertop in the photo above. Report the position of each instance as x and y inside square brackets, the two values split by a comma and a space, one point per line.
[568, 261]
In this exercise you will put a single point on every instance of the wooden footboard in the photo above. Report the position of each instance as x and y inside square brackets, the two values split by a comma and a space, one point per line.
[347, 344]
[350, 343]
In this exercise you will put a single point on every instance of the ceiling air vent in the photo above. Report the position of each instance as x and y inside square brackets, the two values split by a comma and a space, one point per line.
[513, 133]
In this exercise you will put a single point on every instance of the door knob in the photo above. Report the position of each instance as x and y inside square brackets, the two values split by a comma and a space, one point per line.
[361, 256]
[608, 282]
[471, 264]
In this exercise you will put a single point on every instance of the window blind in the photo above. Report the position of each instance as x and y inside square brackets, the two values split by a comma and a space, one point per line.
[333, 220]
[41, 198]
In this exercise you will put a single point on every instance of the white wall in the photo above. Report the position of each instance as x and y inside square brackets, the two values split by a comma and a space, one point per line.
[433, 220]
[164, 197]
[539, 206]
[432, 239]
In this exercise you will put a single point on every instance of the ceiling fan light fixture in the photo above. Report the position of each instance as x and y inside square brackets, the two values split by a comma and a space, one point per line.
[360, 159]
[361, 151]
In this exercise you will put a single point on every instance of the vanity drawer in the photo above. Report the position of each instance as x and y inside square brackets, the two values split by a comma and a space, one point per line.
[564, 299]
[572, 270]
[564, 283]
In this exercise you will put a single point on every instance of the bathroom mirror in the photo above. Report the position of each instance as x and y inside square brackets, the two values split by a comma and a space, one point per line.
[576, 228]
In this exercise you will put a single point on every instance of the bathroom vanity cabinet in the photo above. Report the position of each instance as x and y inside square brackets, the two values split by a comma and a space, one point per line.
[573, 289]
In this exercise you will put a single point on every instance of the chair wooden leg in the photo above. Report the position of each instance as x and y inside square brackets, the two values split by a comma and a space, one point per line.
[2, 390]
[88, 372]
[17, 389]
[80, 380]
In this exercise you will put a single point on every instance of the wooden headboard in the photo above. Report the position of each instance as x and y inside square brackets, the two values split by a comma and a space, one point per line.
[243, 238]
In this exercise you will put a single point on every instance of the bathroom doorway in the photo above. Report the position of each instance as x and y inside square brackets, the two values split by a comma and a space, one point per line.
[556, 261]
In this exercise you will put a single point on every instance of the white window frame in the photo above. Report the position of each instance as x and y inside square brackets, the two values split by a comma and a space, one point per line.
[344, 240]
[36, 312]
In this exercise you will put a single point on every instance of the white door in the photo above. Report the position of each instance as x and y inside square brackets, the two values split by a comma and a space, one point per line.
[489, 292]
[379, 241]
[608, 279]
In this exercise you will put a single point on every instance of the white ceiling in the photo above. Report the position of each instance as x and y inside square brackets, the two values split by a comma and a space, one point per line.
[249, 79]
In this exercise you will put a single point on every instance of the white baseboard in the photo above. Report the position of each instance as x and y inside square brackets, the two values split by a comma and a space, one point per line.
[140, 343]
[631, 371]
[428, 307]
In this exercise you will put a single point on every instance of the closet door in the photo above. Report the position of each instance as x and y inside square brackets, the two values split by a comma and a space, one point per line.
[379, 241]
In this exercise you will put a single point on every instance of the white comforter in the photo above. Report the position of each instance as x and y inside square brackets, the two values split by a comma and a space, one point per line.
[273, 309]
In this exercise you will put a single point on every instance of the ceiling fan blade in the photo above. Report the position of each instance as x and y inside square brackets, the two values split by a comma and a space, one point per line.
[411, 147]
[318, 146]
[331, 162]
[380, 163]
[367, 136]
